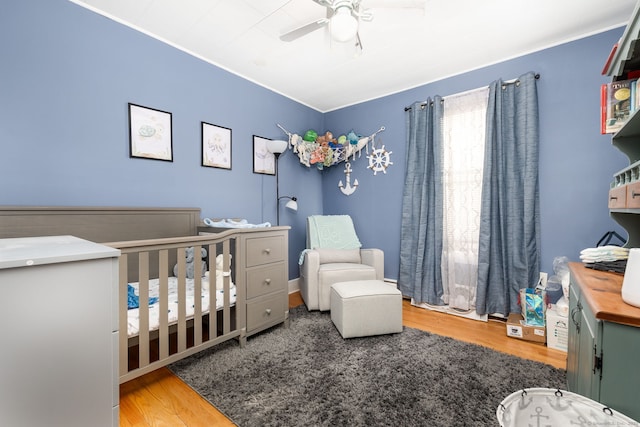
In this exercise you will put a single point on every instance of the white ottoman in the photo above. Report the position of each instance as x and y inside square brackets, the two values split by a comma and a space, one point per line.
[366, 307]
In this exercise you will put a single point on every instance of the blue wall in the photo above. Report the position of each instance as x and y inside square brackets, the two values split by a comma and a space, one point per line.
[67, 75]
[576, 162]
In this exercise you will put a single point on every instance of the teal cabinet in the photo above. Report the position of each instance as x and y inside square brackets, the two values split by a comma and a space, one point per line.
[603, 356]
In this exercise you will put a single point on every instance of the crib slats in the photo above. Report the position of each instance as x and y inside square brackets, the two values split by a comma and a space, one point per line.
[163, 304]
[182, 296]
[143, 294]
[213, 283]
[226, 310]
[197, 296]
[122, 314]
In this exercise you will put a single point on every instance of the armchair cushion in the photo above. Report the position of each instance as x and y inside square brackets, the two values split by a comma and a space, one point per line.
[328, 256]
[316, 278]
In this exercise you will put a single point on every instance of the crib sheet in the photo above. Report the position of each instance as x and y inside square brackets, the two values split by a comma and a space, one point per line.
[154, 310]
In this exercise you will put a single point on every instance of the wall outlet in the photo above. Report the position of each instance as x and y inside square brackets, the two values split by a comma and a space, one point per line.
[542, 281]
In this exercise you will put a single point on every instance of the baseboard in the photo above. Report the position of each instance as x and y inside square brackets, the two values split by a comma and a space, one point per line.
[294, 285]
[471, 314]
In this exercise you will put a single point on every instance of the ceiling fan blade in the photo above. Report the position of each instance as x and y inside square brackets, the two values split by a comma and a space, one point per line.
[304, 30]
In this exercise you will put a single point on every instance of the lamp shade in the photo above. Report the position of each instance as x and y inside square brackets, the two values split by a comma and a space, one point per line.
[344, 25]
[276, 146]
[292, 204]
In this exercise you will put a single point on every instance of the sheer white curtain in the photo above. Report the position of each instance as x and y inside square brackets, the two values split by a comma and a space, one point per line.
[464, 123]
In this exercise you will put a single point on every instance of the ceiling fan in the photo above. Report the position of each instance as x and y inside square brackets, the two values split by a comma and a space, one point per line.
[343, 18]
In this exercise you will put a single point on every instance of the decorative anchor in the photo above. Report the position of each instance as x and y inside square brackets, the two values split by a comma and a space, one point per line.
[348, 189]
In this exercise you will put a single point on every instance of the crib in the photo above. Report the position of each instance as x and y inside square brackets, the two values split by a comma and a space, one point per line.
[188, 314]
[176, 316]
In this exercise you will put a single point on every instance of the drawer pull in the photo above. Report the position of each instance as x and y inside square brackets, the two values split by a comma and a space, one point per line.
[634, 194]
[267, 281]
[615, 198]
[268, 311]
[267, 251]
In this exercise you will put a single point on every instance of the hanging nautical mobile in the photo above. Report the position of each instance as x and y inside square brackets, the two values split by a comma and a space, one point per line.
[325, 150]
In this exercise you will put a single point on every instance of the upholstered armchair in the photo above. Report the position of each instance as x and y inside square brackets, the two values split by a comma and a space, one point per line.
[333, 255]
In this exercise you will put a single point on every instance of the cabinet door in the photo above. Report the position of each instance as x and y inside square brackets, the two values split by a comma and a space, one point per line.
[588, 378]
[620, 375]
[583, 333]
[573, 348]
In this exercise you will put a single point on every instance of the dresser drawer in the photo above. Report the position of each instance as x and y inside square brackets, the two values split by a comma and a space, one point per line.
[266, 311]
[618, 197]
[265, 250]
[633, 195]
[264, 280]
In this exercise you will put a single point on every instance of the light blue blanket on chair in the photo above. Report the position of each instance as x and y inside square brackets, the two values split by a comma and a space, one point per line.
[330, 232]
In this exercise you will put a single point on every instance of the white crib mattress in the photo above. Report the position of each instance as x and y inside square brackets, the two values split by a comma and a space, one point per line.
[154, 313]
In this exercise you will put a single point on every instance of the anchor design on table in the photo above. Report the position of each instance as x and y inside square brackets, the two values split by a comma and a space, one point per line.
[348, 189]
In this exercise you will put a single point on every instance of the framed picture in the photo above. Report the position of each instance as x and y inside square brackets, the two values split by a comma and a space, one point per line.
[263, 161]
[150, 133]
[216, 146]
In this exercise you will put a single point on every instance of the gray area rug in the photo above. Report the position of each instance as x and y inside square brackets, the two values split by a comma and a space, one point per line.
[308, 375]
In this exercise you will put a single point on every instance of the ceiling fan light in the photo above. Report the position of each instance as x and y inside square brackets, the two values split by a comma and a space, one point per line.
[344, 25]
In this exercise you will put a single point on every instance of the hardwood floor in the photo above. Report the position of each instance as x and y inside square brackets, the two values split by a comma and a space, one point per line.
[160, 399]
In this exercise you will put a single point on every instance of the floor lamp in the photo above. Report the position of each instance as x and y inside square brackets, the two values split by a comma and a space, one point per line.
[277, 147]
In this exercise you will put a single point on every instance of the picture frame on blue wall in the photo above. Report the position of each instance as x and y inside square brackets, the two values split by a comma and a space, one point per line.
[216, 146]
[264, 162]
[150, 133]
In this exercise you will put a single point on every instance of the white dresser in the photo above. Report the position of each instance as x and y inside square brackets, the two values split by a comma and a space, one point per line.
[58, 363]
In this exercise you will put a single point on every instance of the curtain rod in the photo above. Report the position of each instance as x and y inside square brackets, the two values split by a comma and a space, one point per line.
[536, 76]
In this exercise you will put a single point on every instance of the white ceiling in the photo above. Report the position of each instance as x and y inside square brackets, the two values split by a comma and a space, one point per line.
[407, 44]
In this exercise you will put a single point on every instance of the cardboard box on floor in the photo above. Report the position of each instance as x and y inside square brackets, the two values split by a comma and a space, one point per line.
[517, 329]
[557, 330]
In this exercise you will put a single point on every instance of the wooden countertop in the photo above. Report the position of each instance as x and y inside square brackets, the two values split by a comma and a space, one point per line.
[602, 291]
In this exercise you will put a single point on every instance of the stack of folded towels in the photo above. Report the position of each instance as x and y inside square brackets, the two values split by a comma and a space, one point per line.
[607, 258]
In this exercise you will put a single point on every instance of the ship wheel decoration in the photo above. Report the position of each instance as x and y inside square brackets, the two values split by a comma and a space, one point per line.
[379, 160]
